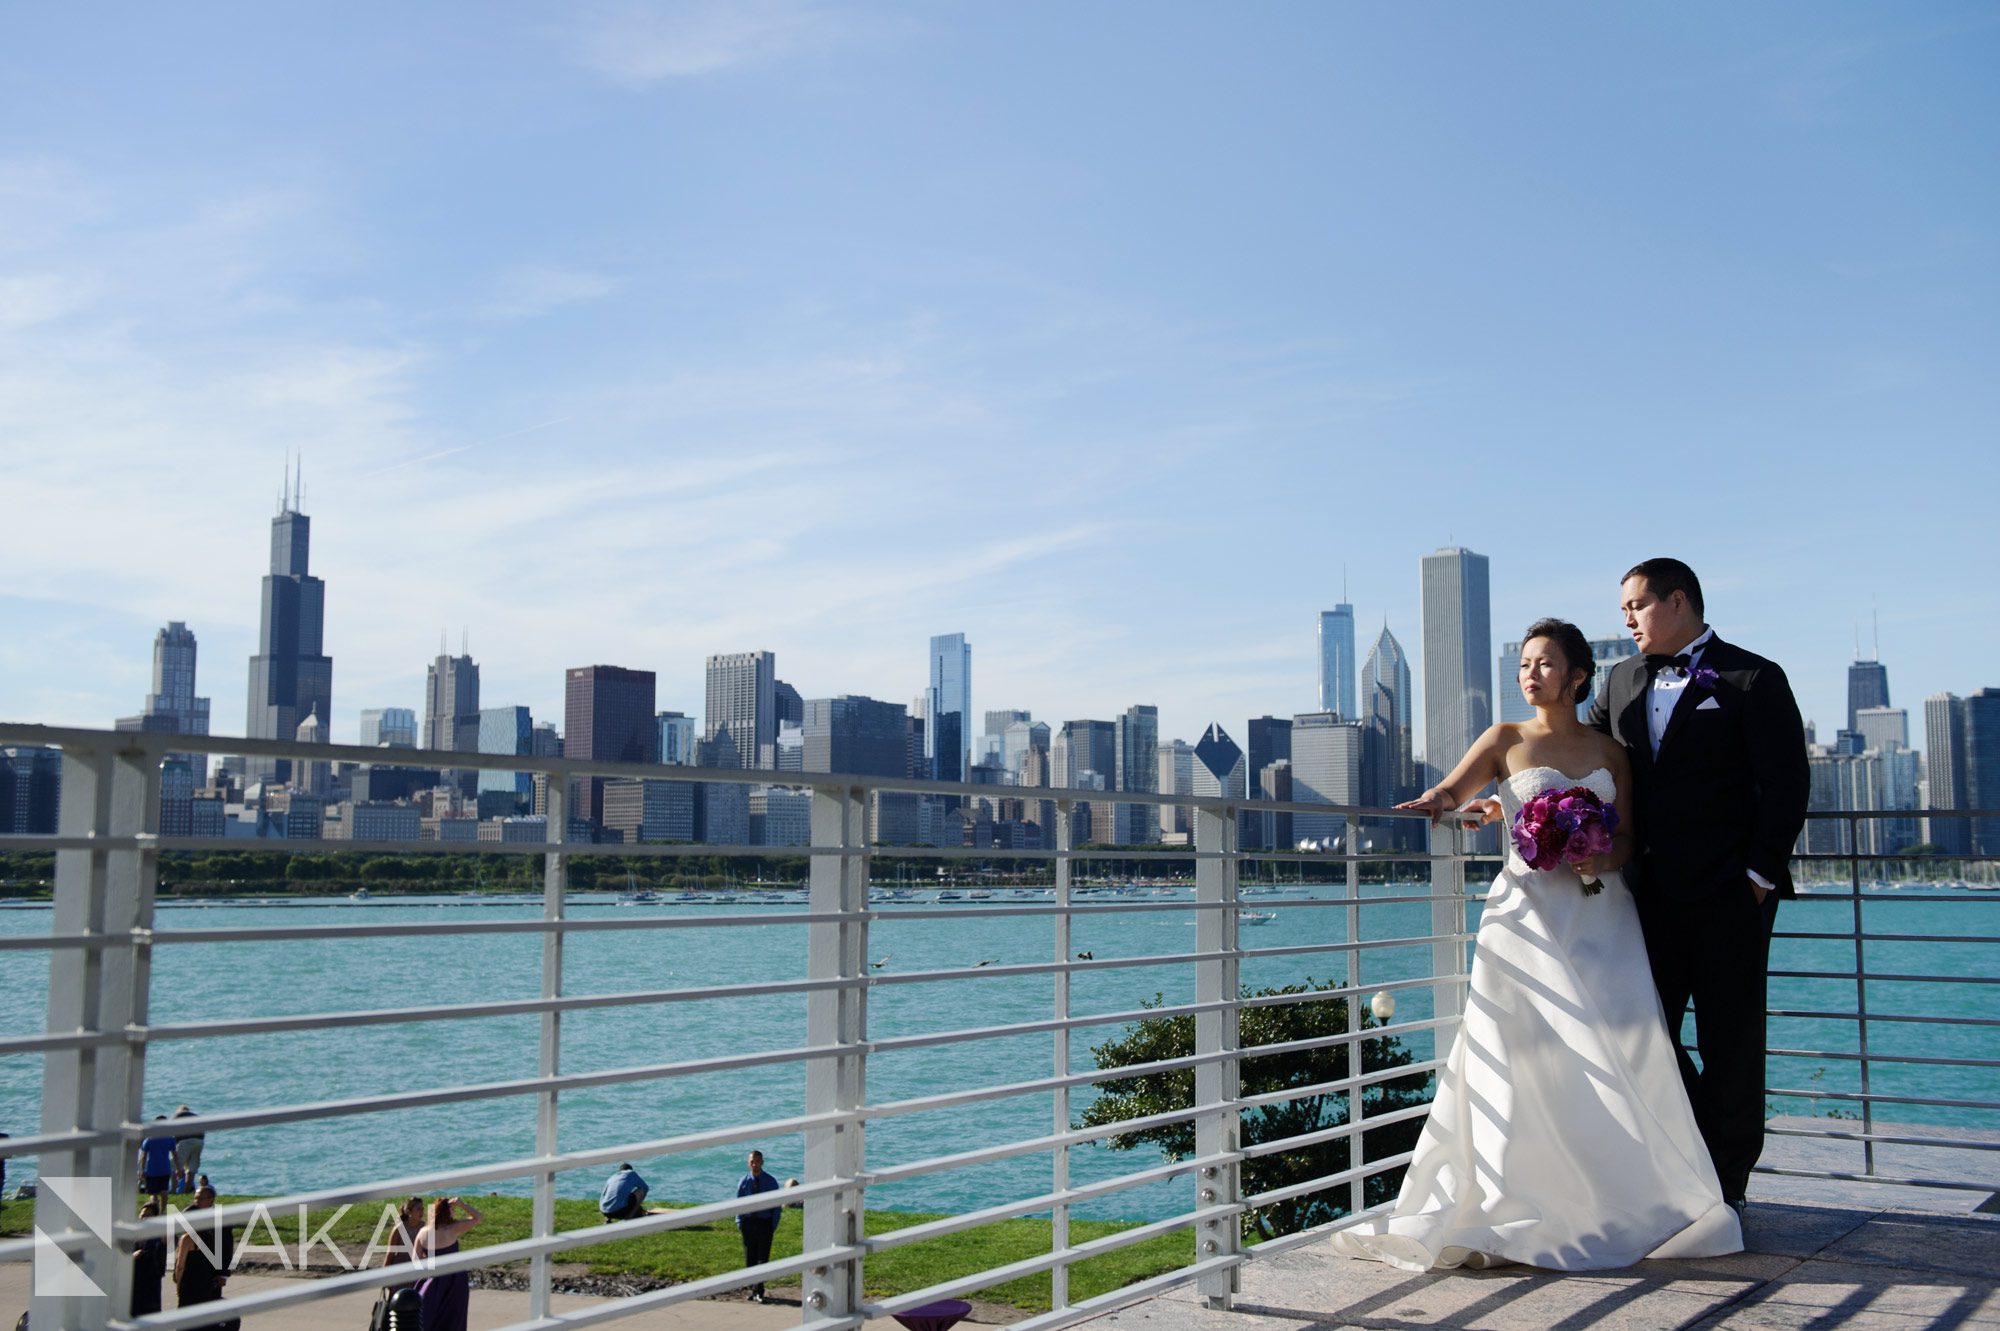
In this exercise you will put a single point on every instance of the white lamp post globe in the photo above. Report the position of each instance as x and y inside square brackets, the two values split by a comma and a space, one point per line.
[1383, 1005]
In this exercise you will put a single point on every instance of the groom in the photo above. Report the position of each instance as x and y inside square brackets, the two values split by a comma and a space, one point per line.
[1720, 782]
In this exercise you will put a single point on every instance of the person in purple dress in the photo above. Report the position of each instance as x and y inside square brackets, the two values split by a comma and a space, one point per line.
[447, 1298]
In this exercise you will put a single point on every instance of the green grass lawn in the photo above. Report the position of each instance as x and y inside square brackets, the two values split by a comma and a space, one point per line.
[711, 1249]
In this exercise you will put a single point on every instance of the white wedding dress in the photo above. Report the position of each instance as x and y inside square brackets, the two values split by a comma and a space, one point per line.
[1560, 1135]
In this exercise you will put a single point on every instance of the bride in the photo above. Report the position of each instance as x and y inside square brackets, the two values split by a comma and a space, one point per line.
[1560, 1135]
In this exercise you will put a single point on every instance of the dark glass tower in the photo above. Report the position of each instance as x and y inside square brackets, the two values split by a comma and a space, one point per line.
[1867, 686]
[291, 676]
[608, 715]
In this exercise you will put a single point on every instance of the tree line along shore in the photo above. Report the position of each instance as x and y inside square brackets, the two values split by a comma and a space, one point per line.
[30, 874]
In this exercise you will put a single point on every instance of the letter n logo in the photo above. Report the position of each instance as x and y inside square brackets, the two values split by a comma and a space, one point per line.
[88, 1199]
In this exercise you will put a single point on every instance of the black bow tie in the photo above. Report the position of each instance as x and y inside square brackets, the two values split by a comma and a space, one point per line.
[1655, 664]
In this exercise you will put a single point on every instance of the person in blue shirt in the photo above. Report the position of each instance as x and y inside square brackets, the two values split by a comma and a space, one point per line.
[757, 1227]
[624, 1196]
[156, 1162]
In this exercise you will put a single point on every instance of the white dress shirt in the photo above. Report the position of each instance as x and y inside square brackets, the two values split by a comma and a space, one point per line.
[1667, 689]
[1668, 686]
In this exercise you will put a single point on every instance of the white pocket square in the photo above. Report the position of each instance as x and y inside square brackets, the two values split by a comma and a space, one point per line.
[1709, 705]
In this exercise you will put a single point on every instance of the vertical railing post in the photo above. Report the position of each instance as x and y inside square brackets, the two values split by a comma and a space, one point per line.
[548, 1060]
[1861, 995]
[1448, 961]
[1059, 1228]
[1217, 1084]
[837, 950]
[1059, 1213]
[1357, 1187]
[97, 989]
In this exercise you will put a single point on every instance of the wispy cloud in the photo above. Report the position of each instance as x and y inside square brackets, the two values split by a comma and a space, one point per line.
[37, 298]
[534, 289]
[642, 44]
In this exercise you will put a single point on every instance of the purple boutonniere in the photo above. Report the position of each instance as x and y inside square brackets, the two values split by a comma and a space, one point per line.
[1704, 678]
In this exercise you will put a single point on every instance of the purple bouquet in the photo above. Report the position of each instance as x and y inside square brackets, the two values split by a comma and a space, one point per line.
[1565, 827]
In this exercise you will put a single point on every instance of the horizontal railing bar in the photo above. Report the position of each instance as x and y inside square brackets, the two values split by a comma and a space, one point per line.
[48, 1143]
[376, 1104]
[153, 844]
[1284, 1243]
[1883, 1098]
[1886, 1139]
[292, 933]
[1850, 934]
[1895, 899]
[291, 1293]
[1357, 945]
[45, 942]
[976, 1095]
[1047, 967]
[1349, 1175]
[1348, 1129]
[1885, 1016]
[931, 1229]
[630, 1306]
[899, 1044]
[938, 1164]
[1029, 1266]
[449, 1180]
[1127, 1295]
[1348, 1083]
[1886, 978]
[207, 1030]
[41, 1044]
[1024, 909]
[163, 743]
[1959, 1184]
[68, 1240]
[1850, 1057]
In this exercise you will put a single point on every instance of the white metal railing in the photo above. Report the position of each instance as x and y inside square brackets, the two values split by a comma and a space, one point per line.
[103, 936]
[1869, 1020]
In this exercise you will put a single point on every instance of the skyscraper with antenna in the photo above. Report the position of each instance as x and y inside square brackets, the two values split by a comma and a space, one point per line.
[291, 676]
[1867, 680]
[1336, 657]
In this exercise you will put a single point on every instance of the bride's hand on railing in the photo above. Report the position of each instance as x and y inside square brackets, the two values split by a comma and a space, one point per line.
[1438, 804]
[1482, 811]
[1433, 802]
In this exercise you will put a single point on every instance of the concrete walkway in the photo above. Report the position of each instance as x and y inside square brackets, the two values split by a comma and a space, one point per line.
[1809, 1267]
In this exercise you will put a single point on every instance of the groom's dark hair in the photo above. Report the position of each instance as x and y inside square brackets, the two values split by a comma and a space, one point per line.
[1664, 577]
[1569, 640]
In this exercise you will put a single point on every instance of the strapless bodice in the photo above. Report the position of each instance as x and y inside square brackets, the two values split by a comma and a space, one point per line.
[1529, 782]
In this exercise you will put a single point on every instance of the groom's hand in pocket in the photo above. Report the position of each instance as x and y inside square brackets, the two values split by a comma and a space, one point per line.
[1758, 890]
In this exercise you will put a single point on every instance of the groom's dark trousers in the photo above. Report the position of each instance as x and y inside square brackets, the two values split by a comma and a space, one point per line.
[1724, 794]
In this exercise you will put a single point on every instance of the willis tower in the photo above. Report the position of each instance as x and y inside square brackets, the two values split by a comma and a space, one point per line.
[291, 677]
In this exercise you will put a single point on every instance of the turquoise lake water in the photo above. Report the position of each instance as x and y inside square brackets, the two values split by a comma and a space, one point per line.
[215, 981]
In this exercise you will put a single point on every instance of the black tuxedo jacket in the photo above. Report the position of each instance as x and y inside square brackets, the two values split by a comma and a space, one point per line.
[1727, 792]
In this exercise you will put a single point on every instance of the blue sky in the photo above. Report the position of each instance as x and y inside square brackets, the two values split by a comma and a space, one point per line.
[1108, 335]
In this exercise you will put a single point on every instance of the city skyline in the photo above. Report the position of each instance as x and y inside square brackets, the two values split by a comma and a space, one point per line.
[1569, 288]
[1865, 678]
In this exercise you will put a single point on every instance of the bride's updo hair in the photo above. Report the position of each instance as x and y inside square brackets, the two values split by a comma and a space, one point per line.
[1575, 649]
